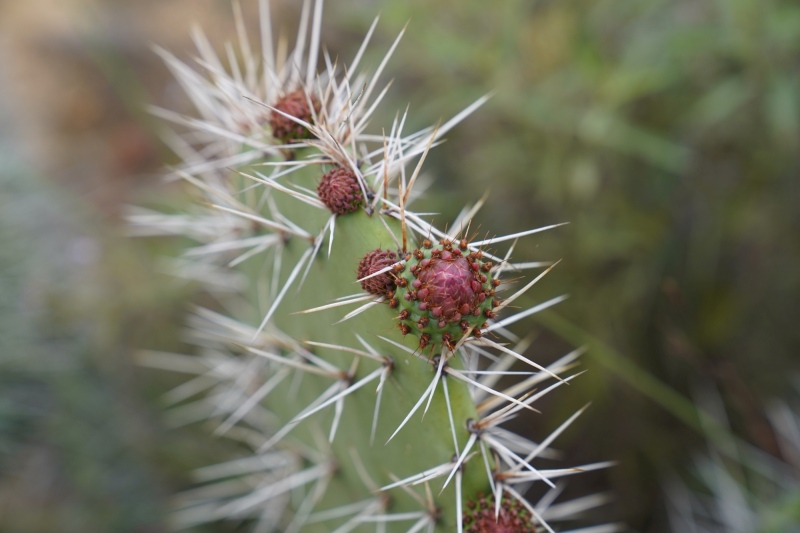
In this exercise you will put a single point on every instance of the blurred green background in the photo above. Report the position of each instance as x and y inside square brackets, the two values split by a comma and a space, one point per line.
[666, 132]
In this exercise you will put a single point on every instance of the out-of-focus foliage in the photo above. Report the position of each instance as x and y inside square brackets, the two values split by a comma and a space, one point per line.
[740, 489]
[80, 448]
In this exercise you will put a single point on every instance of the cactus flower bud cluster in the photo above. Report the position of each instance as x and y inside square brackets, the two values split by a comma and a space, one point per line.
[444, 292]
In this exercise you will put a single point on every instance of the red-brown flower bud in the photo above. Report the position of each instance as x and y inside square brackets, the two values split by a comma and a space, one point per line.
[296, 105]
[479, 517]
[382, 284]
[340, 191]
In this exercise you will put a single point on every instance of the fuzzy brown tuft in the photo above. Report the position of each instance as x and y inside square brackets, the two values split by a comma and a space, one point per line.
[340, 191]
[294, 104]
[382, 284]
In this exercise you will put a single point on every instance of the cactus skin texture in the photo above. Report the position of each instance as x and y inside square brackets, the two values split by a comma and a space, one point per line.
[365, 410]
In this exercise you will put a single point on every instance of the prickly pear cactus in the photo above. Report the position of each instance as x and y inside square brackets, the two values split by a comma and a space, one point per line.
[359, 352]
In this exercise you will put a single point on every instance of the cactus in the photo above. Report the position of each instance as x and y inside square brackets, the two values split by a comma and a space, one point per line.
[359, 352]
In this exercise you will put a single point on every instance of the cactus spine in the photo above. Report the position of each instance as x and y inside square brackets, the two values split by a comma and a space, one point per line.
[374, 409]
